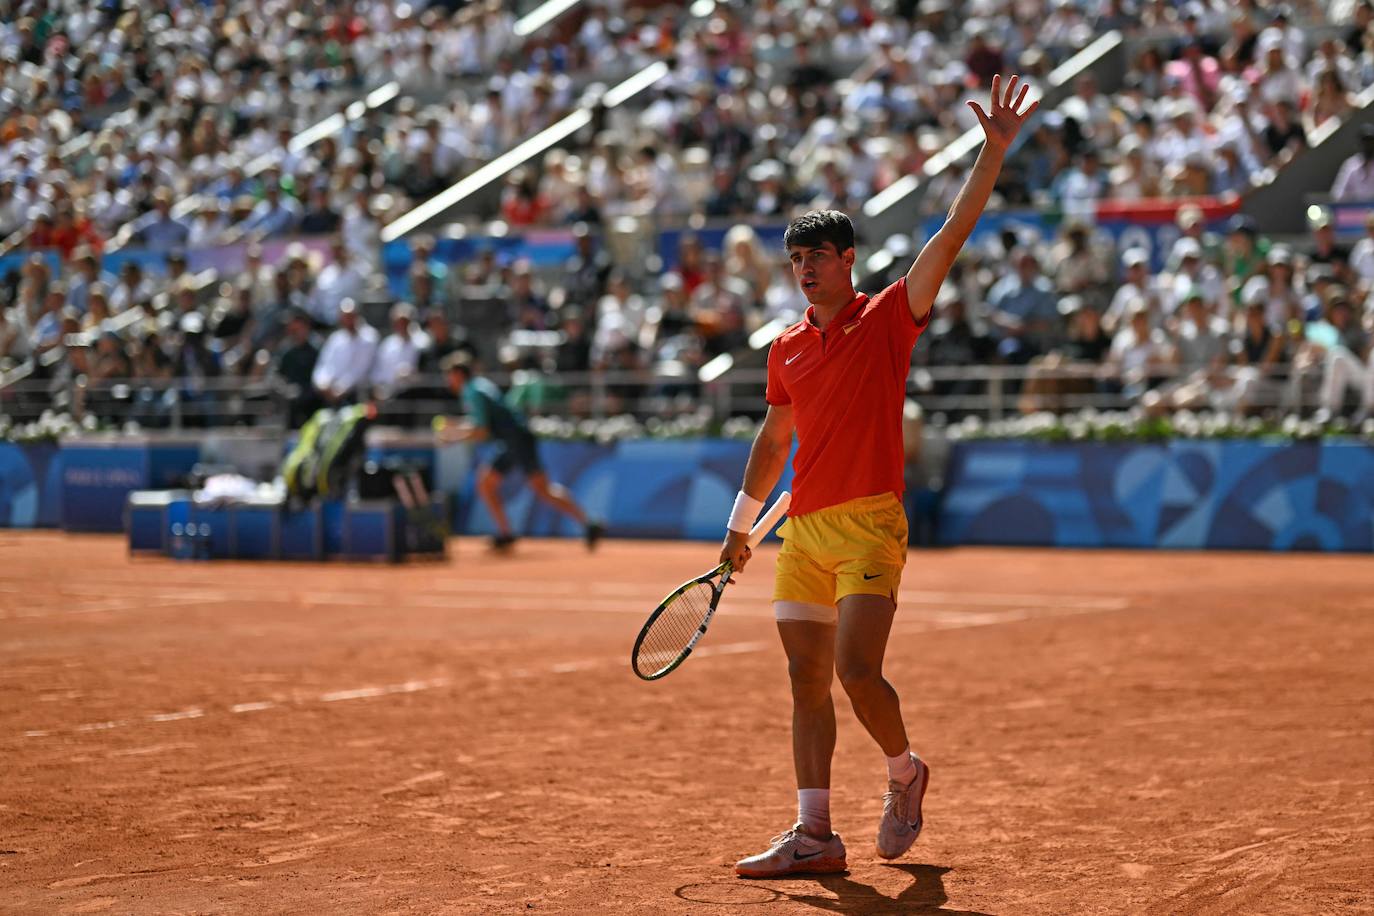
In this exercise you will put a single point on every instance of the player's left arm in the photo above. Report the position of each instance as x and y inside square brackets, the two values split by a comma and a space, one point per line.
[1000, 126]
[450, 431]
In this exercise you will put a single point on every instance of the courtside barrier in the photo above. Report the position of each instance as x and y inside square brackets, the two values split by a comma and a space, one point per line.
[1190, 494]
[1184, 494]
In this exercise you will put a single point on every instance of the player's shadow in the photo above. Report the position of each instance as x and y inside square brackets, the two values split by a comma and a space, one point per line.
[925, 895]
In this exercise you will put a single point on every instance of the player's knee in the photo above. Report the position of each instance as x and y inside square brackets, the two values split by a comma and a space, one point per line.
[860, 678]
[810, 682]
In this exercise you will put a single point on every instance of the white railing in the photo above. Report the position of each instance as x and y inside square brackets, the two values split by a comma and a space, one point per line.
[990, 392]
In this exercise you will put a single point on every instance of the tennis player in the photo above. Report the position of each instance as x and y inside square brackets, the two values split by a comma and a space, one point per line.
[489, 417]
[837, 378]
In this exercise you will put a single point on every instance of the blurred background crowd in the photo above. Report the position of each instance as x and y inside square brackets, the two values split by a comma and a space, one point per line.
[164, 129]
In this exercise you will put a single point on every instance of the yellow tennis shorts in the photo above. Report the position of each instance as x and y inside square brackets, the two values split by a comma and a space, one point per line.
[855, 548]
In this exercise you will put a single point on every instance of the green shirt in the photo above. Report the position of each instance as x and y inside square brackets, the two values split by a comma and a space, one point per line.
[486, 408]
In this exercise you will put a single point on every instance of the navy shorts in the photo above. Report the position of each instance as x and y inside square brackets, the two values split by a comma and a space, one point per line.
[519, 451]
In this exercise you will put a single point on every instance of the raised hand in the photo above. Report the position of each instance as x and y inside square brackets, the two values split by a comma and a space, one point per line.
[1004, 122]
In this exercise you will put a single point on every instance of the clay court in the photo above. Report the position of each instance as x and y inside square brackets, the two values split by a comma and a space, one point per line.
[1108, 733]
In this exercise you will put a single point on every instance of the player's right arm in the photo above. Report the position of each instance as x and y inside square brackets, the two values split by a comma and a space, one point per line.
[767, 459]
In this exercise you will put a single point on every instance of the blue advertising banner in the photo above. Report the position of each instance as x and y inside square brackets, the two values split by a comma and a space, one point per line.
[97, 478]
[644, 488]
[30, 485]
[1184, 494]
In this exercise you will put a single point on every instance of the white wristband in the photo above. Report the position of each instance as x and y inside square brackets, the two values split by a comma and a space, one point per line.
[745, 513]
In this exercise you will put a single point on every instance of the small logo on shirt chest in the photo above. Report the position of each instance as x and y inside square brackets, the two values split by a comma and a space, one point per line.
[852, 326]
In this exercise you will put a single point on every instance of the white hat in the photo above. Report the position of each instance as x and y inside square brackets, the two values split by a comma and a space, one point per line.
[1187, 248]
[1134, 257]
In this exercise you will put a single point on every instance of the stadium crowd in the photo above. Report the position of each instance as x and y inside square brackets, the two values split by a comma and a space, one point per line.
[1218, 321]
[170, 127]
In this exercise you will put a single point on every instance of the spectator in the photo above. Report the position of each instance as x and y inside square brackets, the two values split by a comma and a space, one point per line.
[209, 224]
[527, 309]
[1088, 341]
[1136, 286]
[14, 341]
[718, 307]
[1326, 250]
[1283, 134]
[574, 354]
[1024, 310]
[13, 206]
[293, 366]
[1199, 337]
[319, 216]
[1344, 351]
[1191, 273]
[1260, 346]
[1362, 256]
[963, 343]
[398, 356]
[338, 280]
[87, 275]
[109, 361]
[233, 329]
[1080, 188]
[745, 260]
[194, 364]
[689, 268]
[1355, 180]
[620, 316]
[1080, 269]
[160, 230]
[132, 289]
[275, 215]
[1140, 355]
[1243, 255]
[439, 341]
[1278, 290]
[345, 363]
[1331, 102]
[587, 270]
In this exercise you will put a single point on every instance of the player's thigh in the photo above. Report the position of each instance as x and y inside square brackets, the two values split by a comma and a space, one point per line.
[810, 649]
[865, 623]
[870, 549]
[803, 590]
[489, 478]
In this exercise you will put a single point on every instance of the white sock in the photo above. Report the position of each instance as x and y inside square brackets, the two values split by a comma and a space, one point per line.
[813, 810]
[902, 768]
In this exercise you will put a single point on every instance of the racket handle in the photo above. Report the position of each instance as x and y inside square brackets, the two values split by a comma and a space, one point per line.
[770, 518]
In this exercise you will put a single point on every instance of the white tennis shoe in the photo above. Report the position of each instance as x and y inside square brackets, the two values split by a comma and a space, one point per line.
[901, 823]
[795, 853]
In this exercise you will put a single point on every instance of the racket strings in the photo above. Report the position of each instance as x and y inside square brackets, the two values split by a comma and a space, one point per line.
[672, 631]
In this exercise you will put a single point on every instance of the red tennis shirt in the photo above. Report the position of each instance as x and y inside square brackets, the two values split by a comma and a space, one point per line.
[846, 385]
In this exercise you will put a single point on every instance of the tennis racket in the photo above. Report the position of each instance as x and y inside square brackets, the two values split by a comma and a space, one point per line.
[677, 625]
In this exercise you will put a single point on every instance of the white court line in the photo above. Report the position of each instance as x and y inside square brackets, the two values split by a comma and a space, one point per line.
[196, 591]
[177, 716]
[939, 621]
[365, 692]
[143, 603]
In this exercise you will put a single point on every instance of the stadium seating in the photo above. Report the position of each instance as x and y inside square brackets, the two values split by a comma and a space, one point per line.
[183, 210]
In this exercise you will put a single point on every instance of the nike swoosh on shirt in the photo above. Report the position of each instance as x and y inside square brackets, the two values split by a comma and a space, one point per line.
[788, 362]
[874, 576]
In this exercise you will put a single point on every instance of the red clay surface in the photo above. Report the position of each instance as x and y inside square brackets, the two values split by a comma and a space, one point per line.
[1108, 733]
